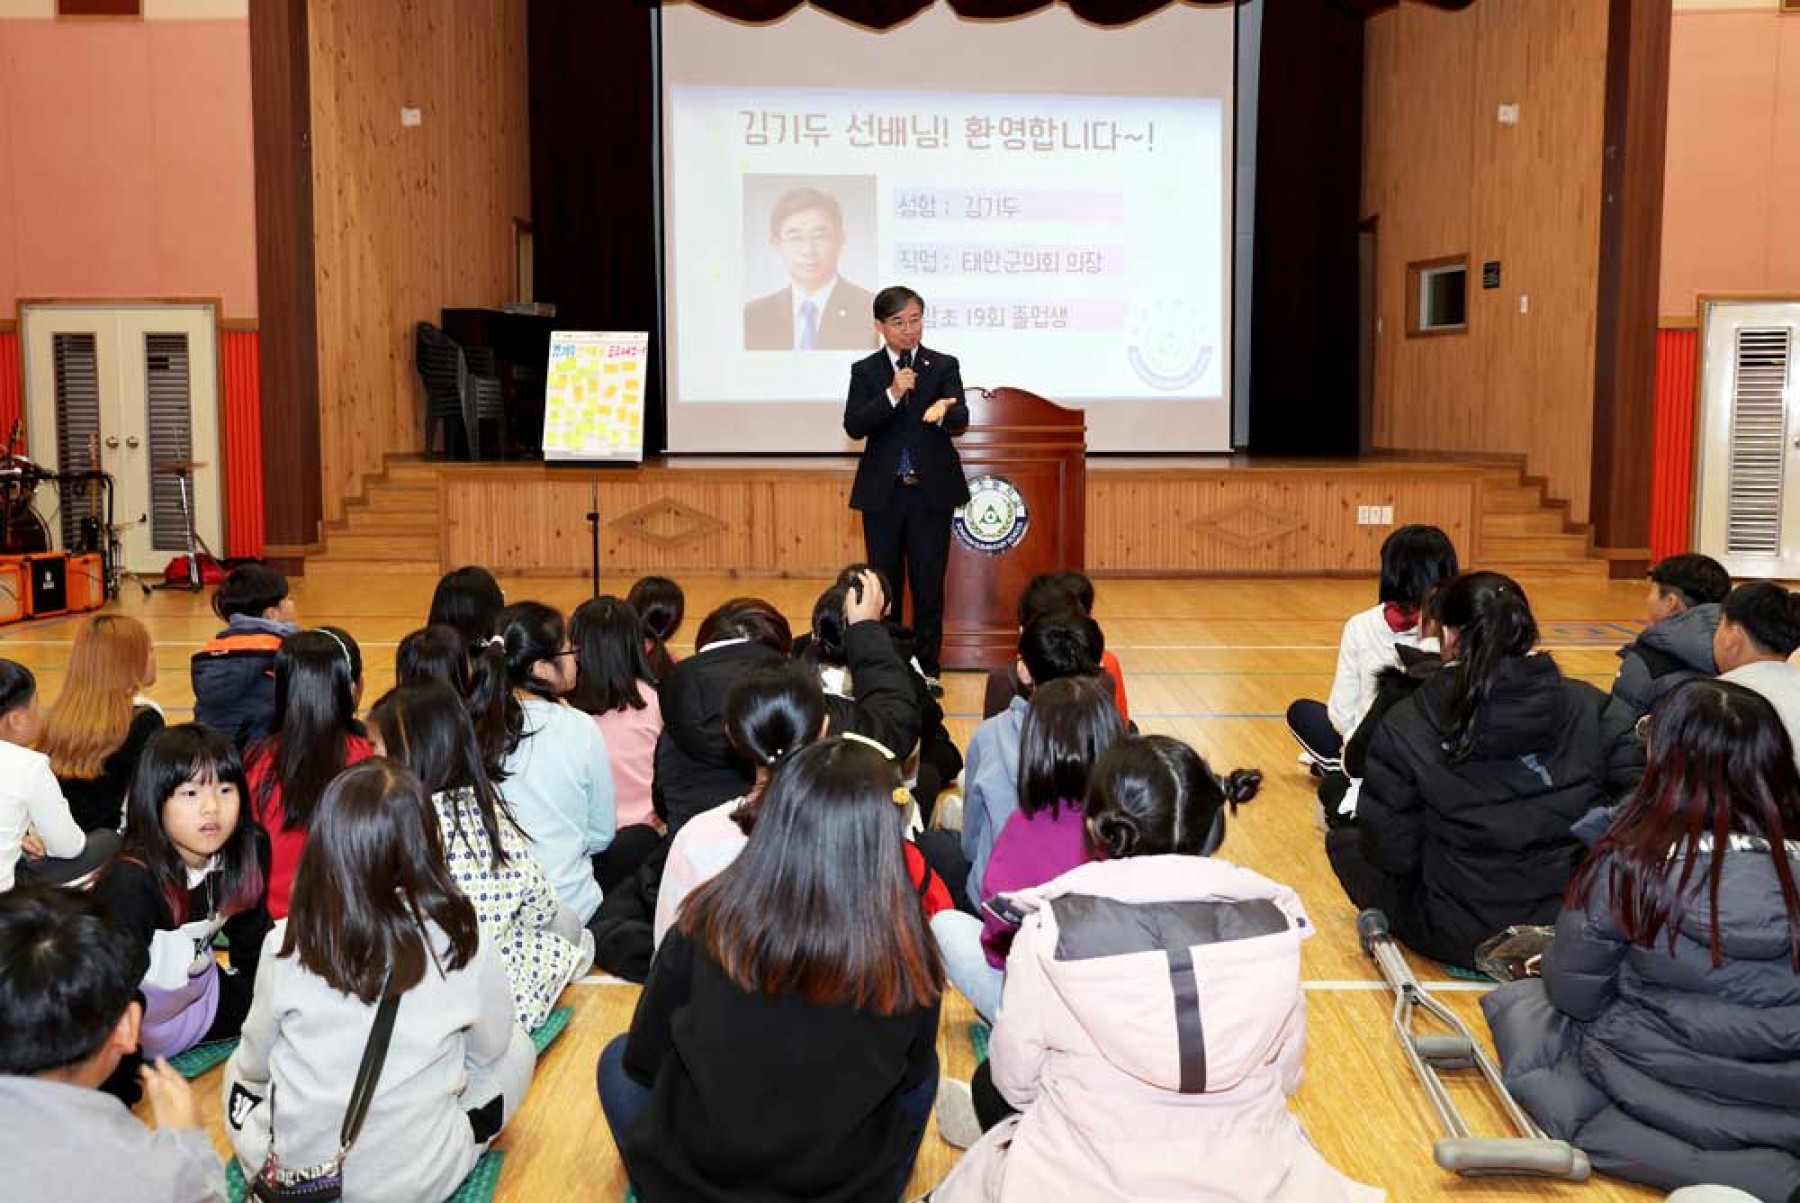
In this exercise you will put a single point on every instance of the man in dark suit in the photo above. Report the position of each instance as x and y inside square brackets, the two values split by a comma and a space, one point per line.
[907, 401]
[818, 310]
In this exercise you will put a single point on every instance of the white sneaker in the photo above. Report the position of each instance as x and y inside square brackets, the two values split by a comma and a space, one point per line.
[957, 1124]
[947, 815]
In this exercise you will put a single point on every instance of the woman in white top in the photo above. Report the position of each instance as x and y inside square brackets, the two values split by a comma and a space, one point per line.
[548, 758]
[40, 841]
[423, 726]
[773, 712]
[1414, 559]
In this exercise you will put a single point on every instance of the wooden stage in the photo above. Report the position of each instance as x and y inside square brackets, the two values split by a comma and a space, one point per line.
[789, 516]
[1214, 662]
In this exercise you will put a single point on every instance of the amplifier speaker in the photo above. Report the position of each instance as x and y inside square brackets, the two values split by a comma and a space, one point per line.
[87, 581]
[46, 585]
[12, 589]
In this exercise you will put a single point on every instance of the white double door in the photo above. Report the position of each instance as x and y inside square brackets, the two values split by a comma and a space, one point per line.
[131, 390]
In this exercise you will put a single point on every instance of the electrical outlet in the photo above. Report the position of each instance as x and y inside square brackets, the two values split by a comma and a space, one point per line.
[1386, 517]
[1509, 114]
[410, 117]
[1365, 515]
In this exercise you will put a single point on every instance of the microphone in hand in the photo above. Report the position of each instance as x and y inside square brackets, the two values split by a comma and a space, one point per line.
[904, 377]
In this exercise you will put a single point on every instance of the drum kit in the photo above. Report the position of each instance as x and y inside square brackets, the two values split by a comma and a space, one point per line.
[23, 531]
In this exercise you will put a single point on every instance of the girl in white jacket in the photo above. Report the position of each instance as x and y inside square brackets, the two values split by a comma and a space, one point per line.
[1152, 1026]
[1413, 560]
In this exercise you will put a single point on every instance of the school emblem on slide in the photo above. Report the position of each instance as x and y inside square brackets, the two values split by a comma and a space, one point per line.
[1168, 347]
[995, 518]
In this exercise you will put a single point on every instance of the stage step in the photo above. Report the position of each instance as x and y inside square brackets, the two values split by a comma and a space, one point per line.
[1524, 570]
[364, 547]
[370, 520]
[1512, 499]
[1531, 522]
[1532, 549]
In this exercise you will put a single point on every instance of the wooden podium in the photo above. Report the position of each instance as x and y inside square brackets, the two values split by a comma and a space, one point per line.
[1020, 452]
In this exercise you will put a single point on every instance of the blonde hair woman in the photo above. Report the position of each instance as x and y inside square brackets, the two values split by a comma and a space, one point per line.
[100, 724]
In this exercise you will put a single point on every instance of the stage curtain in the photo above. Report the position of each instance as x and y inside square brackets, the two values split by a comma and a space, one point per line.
[885, 14]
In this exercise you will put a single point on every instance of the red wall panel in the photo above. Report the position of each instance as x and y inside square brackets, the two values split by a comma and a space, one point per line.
[1672, 474]
[12, 387]
[242, 403]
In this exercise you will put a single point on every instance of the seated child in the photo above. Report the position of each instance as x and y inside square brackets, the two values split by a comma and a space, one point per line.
[1153, 1024]
[1661, 1037]
[195, 863]
[1049, 593]
[377, 918]
[40, 841]
[69, 1016]
[234, 672]
[660, 605]
[1413, 559]
[1683, 613]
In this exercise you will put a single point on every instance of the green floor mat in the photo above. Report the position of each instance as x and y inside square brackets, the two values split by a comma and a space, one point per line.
[545, 1034]
[478, 1187]
[978, 1036]
[202, 1057]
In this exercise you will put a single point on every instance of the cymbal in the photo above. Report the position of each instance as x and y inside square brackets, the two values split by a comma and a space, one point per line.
[176, 467]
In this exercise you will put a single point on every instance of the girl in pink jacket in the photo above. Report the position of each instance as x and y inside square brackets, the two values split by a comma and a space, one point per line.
[1152, 1026]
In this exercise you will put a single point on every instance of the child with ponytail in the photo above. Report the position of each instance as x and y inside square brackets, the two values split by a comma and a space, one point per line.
[770, 714]
[1153, 1024]
[1473, 783]
[550, 759]
[424, 727]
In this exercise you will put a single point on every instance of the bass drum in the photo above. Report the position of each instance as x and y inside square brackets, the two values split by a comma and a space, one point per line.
[22, 532]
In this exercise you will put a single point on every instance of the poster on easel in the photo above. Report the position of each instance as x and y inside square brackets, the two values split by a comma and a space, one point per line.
[594, 396]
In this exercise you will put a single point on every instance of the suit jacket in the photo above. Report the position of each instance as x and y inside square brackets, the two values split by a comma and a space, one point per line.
[847, 324]
[869, 415]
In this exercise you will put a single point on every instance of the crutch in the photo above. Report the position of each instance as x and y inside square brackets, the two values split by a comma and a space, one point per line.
[1431, 1053]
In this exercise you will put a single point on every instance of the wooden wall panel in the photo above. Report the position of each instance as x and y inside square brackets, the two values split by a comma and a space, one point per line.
[408, 220]
[1444, 177]
[1273, 522]
[1142, 520]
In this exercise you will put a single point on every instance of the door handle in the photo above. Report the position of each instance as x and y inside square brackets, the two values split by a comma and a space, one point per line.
[112, 440]
[131, 441]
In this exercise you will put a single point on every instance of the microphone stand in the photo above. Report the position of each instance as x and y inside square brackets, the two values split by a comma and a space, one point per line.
[593, 520]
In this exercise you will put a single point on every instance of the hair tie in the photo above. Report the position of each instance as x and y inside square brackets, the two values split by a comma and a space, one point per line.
[902, 796]
[493, 641]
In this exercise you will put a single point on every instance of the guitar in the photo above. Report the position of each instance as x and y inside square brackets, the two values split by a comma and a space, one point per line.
[88, 531]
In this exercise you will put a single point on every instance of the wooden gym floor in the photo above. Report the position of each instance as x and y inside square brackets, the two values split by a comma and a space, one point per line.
[1213, 662]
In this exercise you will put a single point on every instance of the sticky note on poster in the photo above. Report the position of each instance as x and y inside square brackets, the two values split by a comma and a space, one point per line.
[594, 395]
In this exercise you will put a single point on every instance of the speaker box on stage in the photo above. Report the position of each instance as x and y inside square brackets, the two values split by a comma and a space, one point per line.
[87, 582]
[12, 589]
[46, 585]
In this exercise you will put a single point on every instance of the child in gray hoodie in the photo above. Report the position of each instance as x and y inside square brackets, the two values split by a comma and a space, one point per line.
[376, 914]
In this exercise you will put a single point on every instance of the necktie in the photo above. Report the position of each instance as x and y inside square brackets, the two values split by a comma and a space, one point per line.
[809, 327]
[906, 467]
